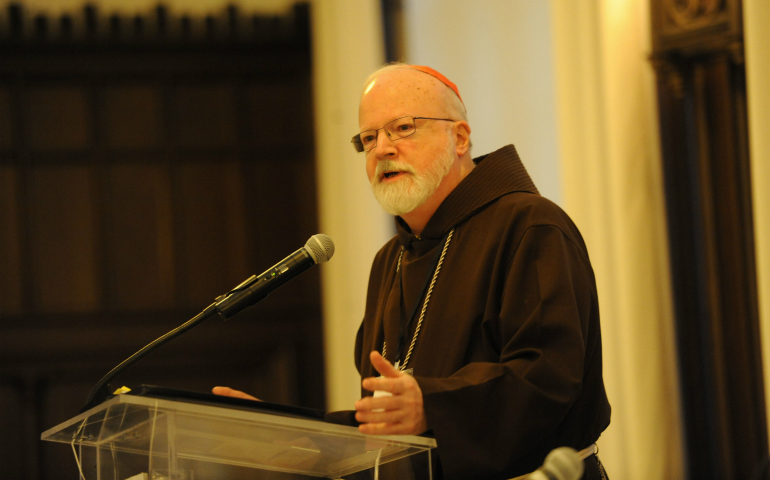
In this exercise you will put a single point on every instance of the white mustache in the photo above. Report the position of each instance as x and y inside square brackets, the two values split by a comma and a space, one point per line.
[391, 166]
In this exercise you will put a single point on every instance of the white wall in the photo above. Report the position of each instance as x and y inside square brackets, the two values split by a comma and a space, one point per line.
[613, 189]
[756, 18]
[347, 46]
[499, 54]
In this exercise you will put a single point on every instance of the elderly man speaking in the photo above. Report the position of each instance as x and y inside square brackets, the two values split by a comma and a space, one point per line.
[486, 295]
[482, 320]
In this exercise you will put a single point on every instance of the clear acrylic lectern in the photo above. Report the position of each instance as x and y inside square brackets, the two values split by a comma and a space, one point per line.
[138, 438]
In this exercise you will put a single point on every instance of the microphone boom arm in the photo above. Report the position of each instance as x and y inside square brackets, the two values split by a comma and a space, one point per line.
[318, 249]
[100, 392]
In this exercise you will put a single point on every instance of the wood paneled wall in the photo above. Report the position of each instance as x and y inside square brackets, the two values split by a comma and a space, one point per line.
[148, 165]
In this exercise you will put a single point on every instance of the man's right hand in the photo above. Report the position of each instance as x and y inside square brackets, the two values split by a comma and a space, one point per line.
[229, 392]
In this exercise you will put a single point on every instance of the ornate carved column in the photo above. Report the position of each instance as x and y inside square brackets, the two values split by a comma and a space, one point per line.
[698, 58]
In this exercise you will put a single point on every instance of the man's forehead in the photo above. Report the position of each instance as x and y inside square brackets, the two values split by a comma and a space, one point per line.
[400, 92]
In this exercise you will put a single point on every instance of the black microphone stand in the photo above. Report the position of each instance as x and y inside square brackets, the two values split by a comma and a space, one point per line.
[101, 390]
[251, 291]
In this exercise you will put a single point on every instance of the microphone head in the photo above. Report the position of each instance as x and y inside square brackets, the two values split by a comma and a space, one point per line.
[563, 463]
[320, 248]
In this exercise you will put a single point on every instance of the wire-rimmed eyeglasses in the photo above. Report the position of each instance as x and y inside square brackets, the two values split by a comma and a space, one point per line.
[397, 129]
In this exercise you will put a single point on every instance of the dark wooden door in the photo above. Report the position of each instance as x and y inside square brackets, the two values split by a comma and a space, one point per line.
[698, 55]
[148, 165]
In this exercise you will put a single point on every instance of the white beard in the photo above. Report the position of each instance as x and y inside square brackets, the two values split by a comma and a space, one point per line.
[412, 189]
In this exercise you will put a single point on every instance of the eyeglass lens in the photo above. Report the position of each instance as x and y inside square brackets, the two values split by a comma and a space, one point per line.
[396, 129]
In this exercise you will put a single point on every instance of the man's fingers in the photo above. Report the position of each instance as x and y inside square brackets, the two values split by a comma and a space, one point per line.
[384, 429]
[383, 366]
[388, 416]
[396, 386]
[229, 392]
[380, 403]
[401, 413]
[388, 372]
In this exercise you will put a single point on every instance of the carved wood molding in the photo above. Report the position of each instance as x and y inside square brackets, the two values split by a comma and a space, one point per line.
[90, 26]
[688, 14]
[693, 27]
[669, 73]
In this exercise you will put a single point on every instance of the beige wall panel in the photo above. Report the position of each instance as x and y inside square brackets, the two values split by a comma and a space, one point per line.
[498, 52]
[613, 190]
[756, 18]
[347, 46]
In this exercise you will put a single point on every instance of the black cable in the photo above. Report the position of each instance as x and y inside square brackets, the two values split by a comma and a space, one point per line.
[101, 390]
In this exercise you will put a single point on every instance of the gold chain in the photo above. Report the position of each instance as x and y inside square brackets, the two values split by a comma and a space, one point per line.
[425, 303]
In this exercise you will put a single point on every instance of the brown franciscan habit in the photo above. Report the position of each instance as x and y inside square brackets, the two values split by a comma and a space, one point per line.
[509, 355]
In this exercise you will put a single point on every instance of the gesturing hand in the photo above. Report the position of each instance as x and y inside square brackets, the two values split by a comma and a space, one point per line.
[399, 414]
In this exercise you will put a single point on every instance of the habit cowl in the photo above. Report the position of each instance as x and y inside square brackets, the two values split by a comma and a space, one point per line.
[509, 354]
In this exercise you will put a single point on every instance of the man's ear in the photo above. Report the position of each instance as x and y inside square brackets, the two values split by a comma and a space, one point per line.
[462, 134]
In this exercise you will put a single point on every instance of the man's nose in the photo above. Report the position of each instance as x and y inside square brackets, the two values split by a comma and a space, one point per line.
[384, 144]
